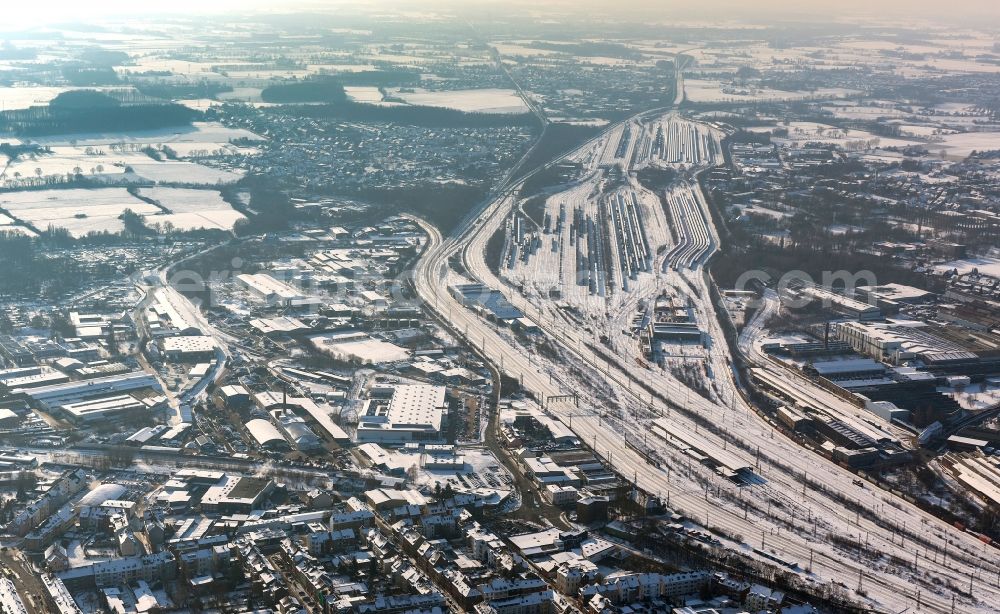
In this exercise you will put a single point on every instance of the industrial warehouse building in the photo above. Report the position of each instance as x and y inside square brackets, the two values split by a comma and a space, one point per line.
[486, 300]
[401, 413]
[164, 318]
[188, 348]
[266, 435]
[237, 494]
[269, 289]
[52, 397]
[844, 305]
[105, 408]
[853, 369]
[306, 408]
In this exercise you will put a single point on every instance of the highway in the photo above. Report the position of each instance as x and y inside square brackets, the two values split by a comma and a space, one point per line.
[903, 554]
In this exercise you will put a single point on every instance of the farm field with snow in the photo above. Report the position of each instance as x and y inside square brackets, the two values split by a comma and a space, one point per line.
[704, 90]
[79, 211]
[205, 134]
[803, 132]
[963, 144]
[13, 98]
[172, 171]
[109, 166]
[986, 265]
[191, 209]
[363, 93]
[488, 100]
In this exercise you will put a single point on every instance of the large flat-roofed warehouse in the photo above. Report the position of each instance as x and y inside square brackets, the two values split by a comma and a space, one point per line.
[269, 289]
[358, 345]
[889, 297]
[483, 298]
[838, 303]
[105, 408]
[31, 377]
[50, 397]
[237, 494]
[188, 347]
[674, 331]
[403, 413]
[164, 317]
[854, 369]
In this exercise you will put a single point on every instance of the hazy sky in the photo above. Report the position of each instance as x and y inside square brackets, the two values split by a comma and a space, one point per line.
[30, 12]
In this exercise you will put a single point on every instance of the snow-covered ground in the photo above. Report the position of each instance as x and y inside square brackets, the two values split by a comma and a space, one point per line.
[487, 100]
[986, 265]
[974, 396]
[204, 133]
[192, 209]
[962, 144]
[811, 132]
[706, 90]
[81, 211]
[23, 97]
[363, 93]
[173, 171]
[77, 210]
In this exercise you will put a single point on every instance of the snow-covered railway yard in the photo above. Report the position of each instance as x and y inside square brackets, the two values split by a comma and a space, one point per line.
[802, 509]
[601, 239]
[590, 249]
[696, 239]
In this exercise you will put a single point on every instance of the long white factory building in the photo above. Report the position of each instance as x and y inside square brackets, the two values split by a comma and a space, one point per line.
[164, 318]
[403, 413]
[50, 397]
[269, 289]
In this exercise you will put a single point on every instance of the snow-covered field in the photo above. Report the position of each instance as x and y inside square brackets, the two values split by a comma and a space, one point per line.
[704, 90]
[203, 133]
[77, 210]
[81, 210]
[103, 163]
[192, 209]
[488, 100]
[242, 94]
[923, 130]
[210, 220]
[986, 265]
[974, 396]
[341, 68]
[13, 98]
[963, 144]
[172, 171]
[65, 160]
[802, 132]
[19, 230]
[186, 200]
[871, 111]
[363, 93]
